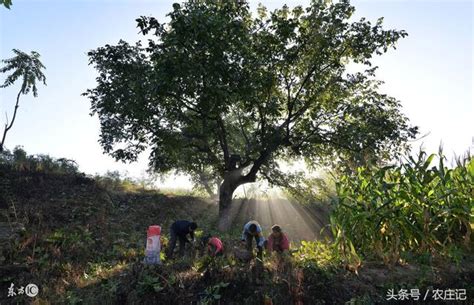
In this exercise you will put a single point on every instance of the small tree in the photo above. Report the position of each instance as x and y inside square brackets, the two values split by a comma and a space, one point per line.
[227, 93]
[28, 68]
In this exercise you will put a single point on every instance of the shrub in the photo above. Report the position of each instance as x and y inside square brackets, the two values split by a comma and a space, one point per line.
[19, 160]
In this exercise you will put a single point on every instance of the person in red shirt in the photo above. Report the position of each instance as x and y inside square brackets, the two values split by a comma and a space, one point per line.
[278, 241]
[214, 246]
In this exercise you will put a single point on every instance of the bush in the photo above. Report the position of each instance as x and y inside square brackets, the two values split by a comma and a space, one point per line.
[114, 181]
[19, 160]
[317, 254]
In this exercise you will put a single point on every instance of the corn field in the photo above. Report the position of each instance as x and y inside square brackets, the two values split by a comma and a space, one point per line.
[413, 208]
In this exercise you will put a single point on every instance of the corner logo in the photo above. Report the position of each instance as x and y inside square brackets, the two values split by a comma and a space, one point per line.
[31, 290]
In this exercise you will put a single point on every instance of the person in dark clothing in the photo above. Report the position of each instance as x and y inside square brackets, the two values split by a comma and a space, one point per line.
[178, 231]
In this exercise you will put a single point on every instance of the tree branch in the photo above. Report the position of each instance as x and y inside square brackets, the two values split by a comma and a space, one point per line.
[223, 141]
[306, 79]
[187, 104]
[244, 134]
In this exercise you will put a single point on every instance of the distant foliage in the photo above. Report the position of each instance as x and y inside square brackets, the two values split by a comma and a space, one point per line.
[19, 160]
[114, 181]
[412, 208]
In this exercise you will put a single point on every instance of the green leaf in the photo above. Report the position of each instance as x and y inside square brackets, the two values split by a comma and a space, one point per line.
[428, 161]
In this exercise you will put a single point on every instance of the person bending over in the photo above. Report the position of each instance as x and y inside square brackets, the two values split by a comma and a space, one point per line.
[214, 245]
[278, 240]
[179, 231]
[253, 230]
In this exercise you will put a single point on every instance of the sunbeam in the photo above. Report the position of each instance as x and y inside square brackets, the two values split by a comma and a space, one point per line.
[299, 222]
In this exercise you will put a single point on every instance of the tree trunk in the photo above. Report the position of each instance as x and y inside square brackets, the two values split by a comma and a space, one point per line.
[9, 126]
[232, 180]
[226, 191]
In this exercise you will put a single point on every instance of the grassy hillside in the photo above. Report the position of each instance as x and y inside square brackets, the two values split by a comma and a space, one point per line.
[83, 243]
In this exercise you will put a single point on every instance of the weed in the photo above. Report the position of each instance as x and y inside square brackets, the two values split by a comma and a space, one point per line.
[212, 293]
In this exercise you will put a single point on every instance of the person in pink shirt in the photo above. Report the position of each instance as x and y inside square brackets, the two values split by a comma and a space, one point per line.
[277, 241]
[214, 246]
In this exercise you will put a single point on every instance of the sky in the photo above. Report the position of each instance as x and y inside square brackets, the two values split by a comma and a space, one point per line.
[431, 72]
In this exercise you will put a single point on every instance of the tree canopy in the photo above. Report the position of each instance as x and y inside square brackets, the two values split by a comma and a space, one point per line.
[221, 91]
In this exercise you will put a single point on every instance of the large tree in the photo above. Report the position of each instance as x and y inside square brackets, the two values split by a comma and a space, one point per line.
[28, 68]
[219, 90]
